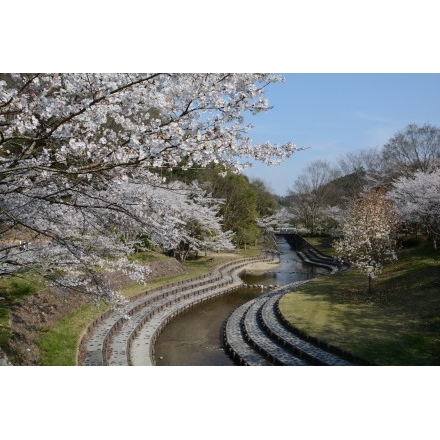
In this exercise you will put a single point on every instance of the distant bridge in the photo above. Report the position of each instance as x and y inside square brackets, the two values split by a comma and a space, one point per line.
[284, 231]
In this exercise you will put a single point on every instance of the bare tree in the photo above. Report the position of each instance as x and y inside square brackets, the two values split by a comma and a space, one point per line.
[363, 168]
[416, 148]
[311, 193]
[366, 159]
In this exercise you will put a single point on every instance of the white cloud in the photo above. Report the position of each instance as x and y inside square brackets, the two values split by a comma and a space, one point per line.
[359, 114]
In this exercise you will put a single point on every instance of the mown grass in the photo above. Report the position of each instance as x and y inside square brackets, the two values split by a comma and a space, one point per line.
[59, 344]
[398, 324]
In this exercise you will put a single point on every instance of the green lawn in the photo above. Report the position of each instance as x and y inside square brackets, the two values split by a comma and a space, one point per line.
[58, 345]
[399, 324]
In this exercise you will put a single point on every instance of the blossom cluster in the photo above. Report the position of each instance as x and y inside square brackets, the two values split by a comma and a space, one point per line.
[417, 199]
[81, 157]
[368, 233]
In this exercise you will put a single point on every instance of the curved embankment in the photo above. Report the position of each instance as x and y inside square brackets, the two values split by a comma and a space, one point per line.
[113, 339]
[257, 334]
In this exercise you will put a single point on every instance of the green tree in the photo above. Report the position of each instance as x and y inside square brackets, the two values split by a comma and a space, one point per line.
[243, 201]
[266, 204]
[312, 195]
[240, 208]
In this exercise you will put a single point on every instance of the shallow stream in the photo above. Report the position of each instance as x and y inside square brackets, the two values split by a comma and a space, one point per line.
[195, 336]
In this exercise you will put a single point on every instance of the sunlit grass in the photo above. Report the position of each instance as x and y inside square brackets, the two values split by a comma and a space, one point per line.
[59, 344]
[399, 324]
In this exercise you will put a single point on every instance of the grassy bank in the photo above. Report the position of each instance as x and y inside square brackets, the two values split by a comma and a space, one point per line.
[324, 244]
[399, 324]
[12, 290]
[59, 344]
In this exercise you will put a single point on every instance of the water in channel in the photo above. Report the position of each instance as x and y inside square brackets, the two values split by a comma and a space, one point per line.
[195, 336]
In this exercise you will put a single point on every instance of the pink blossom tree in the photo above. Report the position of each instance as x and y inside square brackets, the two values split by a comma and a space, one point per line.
[368, 234]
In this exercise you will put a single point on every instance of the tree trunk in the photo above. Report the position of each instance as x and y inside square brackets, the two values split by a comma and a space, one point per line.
[370, 278]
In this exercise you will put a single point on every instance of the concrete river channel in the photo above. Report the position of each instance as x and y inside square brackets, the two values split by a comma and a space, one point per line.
[195, 337]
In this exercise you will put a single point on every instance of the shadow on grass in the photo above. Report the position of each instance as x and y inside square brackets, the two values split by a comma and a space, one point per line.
[399, 324]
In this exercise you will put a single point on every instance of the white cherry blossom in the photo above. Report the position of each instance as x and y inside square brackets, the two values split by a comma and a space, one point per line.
[417, 199]
[81, 158]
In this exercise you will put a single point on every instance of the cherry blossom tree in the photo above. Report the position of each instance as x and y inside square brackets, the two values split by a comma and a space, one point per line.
[368, 234]
[81, 157]
[92, 233]
[417, 199]
[282, 219]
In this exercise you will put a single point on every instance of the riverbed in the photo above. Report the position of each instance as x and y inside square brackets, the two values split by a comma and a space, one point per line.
[195, 337]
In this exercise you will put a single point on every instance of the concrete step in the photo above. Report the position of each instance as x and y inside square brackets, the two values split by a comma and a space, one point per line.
[315, 256]
[314, 262]
[111, 335]
[256, 336]
[141, 342]
[301, 348]
[240, 351]
[262, 328]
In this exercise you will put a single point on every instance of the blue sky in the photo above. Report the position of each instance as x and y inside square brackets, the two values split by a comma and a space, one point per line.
[336, 113]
